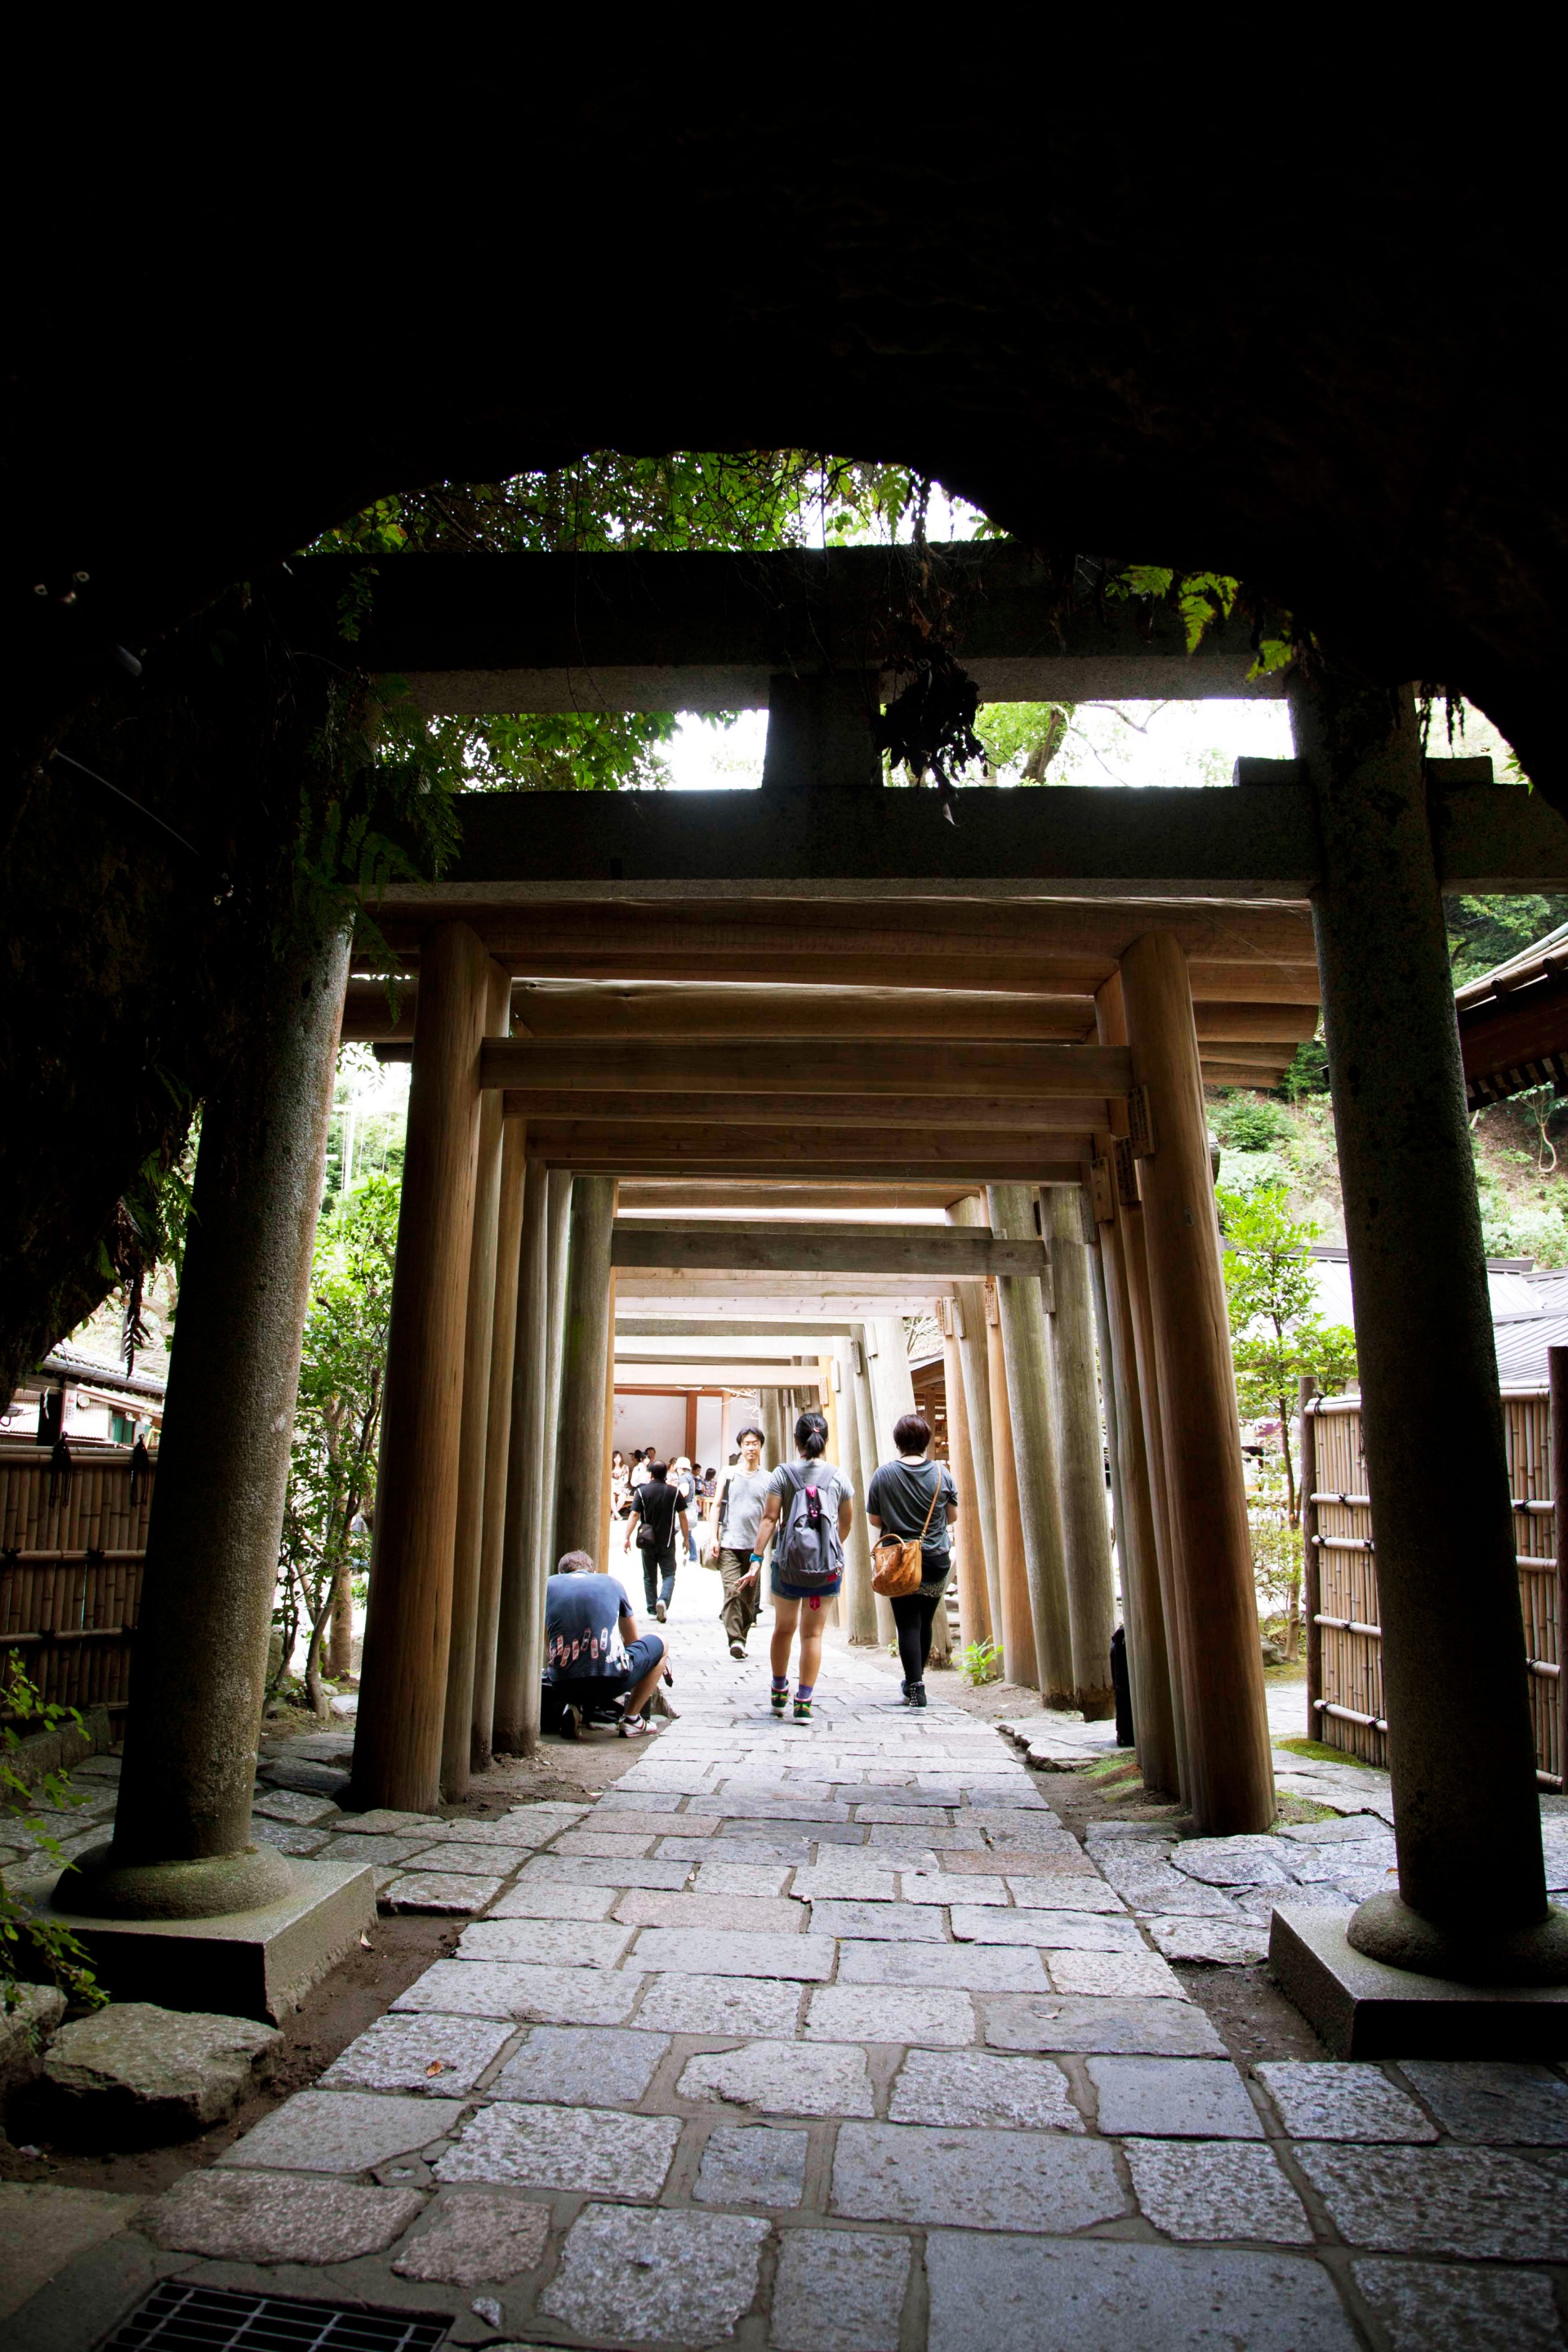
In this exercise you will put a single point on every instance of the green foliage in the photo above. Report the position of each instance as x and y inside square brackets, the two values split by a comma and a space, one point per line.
[1308, 1073]
[337, 1414]
[1023, 736]
[1250, 1122]
[46, 1944]
[1487, 932]
[1202, 598]
[603, 502]
[1276, 1333]
[982, 1662]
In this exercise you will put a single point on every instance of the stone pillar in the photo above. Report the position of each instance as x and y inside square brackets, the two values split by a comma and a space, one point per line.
[403, 1685]
[458, 1729]
[1231, 1779]
[865, 1431]
[498, 1438]
[517, 1662]
[1091, 1600]
[1149, 1660]
[860, 1600]
[1472, 1901]
[1021, 1301]
[182, 1845]
[973, 1599]
[585, 1335]
[1015, 1624]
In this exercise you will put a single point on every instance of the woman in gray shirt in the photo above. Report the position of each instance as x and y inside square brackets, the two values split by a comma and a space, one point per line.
[904, 1497]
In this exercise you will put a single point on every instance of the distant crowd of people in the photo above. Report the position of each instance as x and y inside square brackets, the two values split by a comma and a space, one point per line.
[601, 1669]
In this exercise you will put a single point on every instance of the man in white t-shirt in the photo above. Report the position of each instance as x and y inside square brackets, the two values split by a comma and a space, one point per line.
[742, 1494]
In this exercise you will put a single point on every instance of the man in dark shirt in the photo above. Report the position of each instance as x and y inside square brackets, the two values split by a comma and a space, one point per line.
[656, 1510]
[593, 1651]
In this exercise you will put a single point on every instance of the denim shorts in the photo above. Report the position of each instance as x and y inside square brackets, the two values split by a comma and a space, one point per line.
[642, 1656]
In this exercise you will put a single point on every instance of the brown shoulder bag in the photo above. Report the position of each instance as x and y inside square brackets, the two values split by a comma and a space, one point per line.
[895, 1561]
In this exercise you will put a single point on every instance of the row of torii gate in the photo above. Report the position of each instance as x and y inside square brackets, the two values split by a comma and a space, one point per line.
[1023, 1006]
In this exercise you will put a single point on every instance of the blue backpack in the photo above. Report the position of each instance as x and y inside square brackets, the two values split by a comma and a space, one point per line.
[809, 1550]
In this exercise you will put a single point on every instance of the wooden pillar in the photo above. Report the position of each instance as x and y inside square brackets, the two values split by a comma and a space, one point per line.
[403, 1685]
[518, 1663]
[860, 1600]
[1311, 1587]
[1024, 1349]
[182, 1845]
[1017, 1622]
[1472, 1901]
[973, 1598]
[1231, 1778]
[866, 1430]
[558, 1251]
[970, 1320]
[586, 1333]
[498, 1443]
[690, 1447]
[457, 1732]
[1086, 1535]
[830, 1409]
[1557, 1380]
[601, 1550]
[1153, 1699]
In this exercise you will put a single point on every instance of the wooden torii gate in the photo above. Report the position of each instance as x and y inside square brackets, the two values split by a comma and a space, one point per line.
[1034, 996]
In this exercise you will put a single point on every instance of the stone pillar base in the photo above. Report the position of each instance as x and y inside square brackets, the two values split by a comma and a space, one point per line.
[1362, 2008]
[212, 1887]
[257, 1963]
[1385, 1929]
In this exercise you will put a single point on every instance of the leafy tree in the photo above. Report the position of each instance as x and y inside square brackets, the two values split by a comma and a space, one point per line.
[1250, 1122]
[46, 1941]
[337, 1419]
[1277, 1335]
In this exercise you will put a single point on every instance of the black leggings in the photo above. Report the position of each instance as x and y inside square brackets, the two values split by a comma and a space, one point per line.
[913, 1614]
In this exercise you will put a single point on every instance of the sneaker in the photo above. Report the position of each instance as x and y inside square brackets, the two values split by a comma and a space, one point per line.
[803, 1710]
[659, 1611]
[778, 1700]
[570, 1726]
[916, 1694]
[737, 1649]
[632, 1726]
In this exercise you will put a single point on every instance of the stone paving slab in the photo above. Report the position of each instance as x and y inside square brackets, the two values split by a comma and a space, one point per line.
[1345, 2099]
[435, 2055]
[511, 1988]
[341, 2131]
[1493, 2104]
[749, 2165]
[547, 1943]
[633, 1800]
[966, 1968]
[802, 1957]
[784, 2078]
[1058, 1892]
[937, 1887]
[725, 1913]
[1216, 2189]
[993, 2180]
[840, 2291]
[1142, 1973]
[285, 1837]
[970, 2087]
[765, 1879]
[591, 2149]
[607, 1845]
[703, 2005]
[1221, 1943]
[1041, 2294]
[303, 1810]
[1086, 2023]
[1425, 2305]
[684, 1850]
[838, 1875]
[438, 1891]
[476, 2237]
[277, 2217]
[1082, 1931]
[925, 1838]
[890, 1922]
[850, 2012]
[641, 2277]
[1470, 2201]
[582, 2064]
[546, 1899]
[574, 1870]
[1173, 2098]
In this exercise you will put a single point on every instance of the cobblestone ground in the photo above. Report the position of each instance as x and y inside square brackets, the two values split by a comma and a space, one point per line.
[832, 2038]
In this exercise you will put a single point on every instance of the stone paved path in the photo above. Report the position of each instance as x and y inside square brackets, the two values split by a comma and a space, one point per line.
[833, 2039]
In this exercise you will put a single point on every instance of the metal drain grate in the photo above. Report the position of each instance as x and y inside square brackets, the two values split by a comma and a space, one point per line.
[177, 2318]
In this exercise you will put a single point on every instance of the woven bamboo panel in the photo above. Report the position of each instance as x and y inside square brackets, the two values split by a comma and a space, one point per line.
[71, 1553]
[1347, 1571]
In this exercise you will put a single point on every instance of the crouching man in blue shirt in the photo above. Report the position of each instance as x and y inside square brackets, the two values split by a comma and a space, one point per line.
[593, 1651]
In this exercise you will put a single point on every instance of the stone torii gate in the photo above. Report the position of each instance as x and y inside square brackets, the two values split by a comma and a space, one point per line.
[1034, 997]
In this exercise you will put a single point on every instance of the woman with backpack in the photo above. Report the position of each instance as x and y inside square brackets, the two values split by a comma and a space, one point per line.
[811, 1503]
[915, 1499]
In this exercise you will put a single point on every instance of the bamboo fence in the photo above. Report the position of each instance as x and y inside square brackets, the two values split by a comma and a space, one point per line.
[1344, 1637]
[72, 1548]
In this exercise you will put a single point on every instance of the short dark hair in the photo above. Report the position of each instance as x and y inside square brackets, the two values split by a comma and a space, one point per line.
[811, 1435]
[741, 1434]
[574, 1563]
[910, 1434]
[657, 1470]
